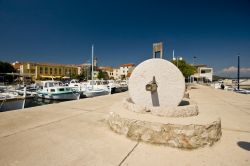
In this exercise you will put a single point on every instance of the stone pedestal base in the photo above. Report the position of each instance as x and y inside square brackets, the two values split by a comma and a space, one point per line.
[188, 132]
[187, 108]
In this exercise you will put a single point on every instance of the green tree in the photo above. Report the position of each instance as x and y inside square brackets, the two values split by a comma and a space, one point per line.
[82, 76]
[74, 76]
[102, 75]
[186, 69]
[6, 67]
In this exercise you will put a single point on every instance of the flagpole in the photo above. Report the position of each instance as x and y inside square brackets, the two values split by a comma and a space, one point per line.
[238, 75]
[92, 57]
[92, 72]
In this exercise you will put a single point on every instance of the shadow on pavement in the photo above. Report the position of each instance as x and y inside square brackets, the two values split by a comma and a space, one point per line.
[244, 145]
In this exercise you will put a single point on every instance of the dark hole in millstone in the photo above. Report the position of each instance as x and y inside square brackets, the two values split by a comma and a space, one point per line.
[184, 102]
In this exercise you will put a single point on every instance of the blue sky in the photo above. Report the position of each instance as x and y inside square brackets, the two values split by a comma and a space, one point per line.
[62, 31]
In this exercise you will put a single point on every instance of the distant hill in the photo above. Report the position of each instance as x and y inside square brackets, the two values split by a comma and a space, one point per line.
[216, 78]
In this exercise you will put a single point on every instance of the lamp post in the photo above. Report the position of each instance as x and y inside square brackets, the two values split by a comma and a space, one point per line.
[177, 60]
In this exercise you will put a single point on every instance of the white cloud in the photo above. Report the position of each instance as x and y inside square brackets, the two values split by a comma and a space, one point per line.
[233, 69]
[245, 70]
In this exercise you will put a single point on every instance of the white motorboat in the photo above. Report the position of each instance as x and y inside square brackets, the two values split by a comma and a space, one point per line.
[95, 88]
[89, 92]
[11, 101]
[123, 85]
[77, 86]
[56, 91]
[98, 84]
[115, 86]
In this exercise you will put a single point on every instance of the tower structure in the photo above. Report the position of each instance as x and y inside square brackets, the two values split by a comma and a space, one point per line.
[158, 50]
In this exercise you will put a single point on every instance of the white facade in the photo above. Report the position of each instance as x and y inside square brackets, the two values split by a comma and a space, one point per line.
[206, 72]
[116, 74]
[123, 72]
[110, 73]
[203, 74]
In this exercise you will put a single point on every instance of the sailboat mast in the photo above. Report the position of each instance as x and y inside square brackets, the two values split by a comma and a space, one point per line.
[92, 70]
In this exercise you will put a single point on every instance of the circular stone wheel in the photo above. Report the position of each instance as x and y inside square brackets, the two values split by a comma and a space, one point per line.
[169, 79]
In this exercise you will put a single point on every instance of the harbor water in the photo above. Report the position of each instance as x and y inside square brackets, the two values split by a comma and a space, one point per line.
[36, 101]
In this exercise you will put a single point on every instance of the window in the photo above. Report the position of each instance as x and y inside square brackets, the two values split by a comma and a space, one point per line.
[50, 84]
[55, 70]
[61, 89]
[46, 70]
[50, 71]
[60, 71]
[41, 70]
[203, 71]
[52, 90]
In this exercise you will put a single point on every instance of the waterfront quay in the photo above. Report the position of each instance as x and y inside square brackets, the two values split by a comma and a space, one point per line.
[75, 133]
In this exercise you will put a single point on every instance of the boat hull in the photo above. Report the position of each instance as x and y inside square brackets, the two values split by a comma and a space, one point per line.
[11, 104]
[95, 93]
[61, 96]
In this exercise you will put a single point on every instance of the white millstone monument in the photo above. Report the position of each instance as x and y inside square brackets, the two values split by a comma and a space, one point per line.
[168, 79]
[154, 112]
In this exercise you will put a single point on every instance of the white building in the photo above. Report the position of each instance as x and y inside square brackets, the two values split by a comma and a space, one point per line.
[123, 72]
[116, 73]
[204, 74]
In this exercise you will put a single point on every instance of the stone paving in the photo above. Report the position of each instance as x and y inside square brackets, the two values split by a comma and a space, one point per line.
[75, 133]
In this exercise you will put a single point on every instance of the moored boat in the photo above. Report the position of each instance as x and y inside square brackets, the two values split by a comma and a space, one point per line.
[95, 88]
[56, 91]
[11, 101]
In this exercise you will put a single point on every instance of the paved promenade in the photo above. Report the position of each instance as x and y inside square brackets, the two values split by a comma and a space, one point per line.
[75, 133]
